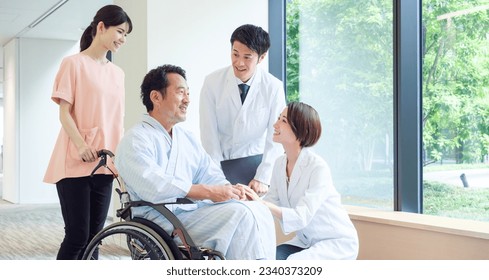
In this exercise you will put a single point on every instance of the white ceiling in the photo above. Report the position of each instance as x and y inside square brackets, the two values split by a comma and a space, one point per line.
[67, 22]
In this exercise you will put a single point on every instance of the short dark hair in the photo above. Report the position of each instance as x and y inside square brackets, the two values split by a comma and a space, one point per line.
[254, 37]
[305, 123]
[110, 15]
[157, 79]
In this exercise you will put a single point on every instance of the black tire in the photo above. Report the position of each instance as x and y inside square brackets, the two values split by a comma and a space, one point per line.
[163, 234]
[128, 240]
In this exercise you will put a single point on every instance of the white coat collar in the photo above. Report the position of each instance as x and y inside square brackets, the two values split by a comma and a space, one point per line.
[302, 162]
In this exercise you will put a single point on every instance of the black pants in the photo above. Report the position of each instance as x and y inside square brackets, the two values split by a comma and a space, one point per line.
[84, 204]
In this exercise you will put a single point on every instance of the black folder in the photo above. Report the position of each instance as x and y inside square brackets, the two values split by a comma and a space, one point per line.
[241, 170]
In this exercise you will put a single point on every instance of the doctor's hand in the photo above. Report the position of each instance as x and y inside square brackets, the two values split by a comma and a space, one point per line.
[251, 194]
[259, 187]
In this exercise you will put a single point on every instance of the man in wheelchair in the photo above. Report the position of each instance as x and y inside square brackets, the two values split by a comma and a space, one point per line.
[160, 161]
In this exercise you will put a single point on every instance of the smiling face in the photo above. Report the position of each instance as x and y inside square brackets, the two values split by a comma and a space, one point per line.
[172, 108]
[114, 37]
[244, 61]
[282, 131]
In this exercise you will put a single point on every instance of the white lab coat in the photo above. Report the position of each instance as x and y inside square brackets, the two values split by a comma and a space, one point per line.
[311, 207]
[232, 130]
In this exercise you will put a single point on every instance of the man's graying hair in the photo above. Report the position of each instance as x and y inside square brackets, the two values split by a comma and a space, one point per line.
[157, 79]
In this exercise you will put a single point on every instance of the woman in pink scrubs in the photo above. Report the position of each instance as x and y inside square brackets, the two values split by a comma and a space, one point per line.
[89, 90]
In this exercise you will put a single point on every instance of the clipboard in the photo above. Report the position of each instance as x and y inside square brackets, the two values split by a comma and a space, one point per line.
[241, 170]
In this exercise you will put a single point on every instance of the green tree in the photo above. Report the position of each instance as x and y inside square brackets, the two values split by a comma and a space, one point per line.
[345, 51]
[292, 52]
[455, 81]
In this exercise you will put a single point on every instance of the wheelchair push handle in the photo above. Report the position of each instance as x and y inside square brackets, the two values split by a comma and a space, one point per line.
[105, 152]
[102, 154]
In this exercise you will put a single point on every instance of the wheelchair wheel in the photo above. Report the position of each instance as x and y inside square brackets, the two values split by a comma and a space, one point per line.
[177, 254]
[127, 241]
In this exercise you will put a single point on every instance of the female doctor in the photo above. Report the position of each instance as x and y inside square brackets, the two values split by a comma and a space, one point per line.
[302, 196]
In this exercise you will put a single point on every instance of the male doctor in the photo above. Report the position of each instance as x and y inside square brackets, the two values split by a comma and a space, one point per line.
[238, 107]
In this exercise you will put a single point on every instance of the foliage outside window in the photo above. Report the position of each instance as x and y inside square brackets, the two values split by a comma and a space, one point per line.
[456, 108]
[339, 60]
[456, 81]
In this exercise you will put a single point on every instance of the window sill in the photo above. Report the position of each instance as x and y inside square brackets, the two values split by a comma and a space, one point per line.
[459, 227]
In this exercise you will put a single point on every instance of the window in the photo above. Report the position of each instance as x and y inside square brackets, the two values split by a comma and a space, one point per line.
[339, 59]
[456, 108]
[403, 151]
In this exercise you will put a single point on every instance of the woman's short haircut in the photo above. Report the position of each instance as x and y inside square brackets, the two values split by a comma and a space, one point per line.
[305, 123]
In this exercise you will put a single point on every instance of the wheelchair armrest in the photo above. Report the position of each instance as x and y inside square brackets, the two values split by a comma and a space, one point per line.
[183, 200]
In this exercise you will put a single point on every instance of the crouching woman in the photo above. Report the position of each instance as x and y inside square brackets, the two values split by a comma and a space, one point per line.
[302, 195]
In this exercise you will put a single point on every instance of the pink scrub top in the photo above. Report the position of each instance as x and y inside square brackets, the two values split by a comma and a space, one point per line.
[96, 93]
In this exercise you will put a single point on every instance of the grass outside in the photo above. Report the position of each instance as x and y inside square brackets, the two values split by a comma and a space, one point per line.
[375, 190]
[456, 202]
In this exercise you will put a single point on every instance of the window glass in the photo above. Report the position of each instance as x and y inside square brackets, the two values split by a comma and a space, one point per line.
[456, 108]
[340, 61]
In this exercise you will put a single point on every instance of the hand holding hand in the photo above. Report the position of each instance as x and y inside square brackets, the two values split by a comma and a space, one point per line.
[259, 187]
[251, 194]
[226, 192]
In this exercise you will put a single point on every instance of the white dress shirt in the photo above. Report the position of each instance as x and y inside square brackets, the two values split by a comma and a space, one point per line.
[231, 130]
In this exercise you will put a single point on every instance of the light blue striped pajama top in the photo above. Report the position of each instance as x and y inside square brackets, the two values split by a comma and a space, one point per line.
[157, 167]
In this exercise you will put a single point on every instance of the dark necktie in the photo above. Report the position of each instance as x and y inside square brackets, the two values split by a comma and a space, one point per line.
[243, 89]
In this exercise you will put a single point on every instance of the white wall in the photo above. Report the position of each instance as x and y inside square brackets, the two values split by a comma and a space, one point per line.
[191, 34]
[1, 75]
[1, 112]
[31, 118]
[11, 117]
[133, 58]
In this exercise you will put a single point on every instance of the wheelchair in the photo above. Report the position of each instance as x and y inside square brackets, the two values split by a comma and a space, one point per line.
[135, 238]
